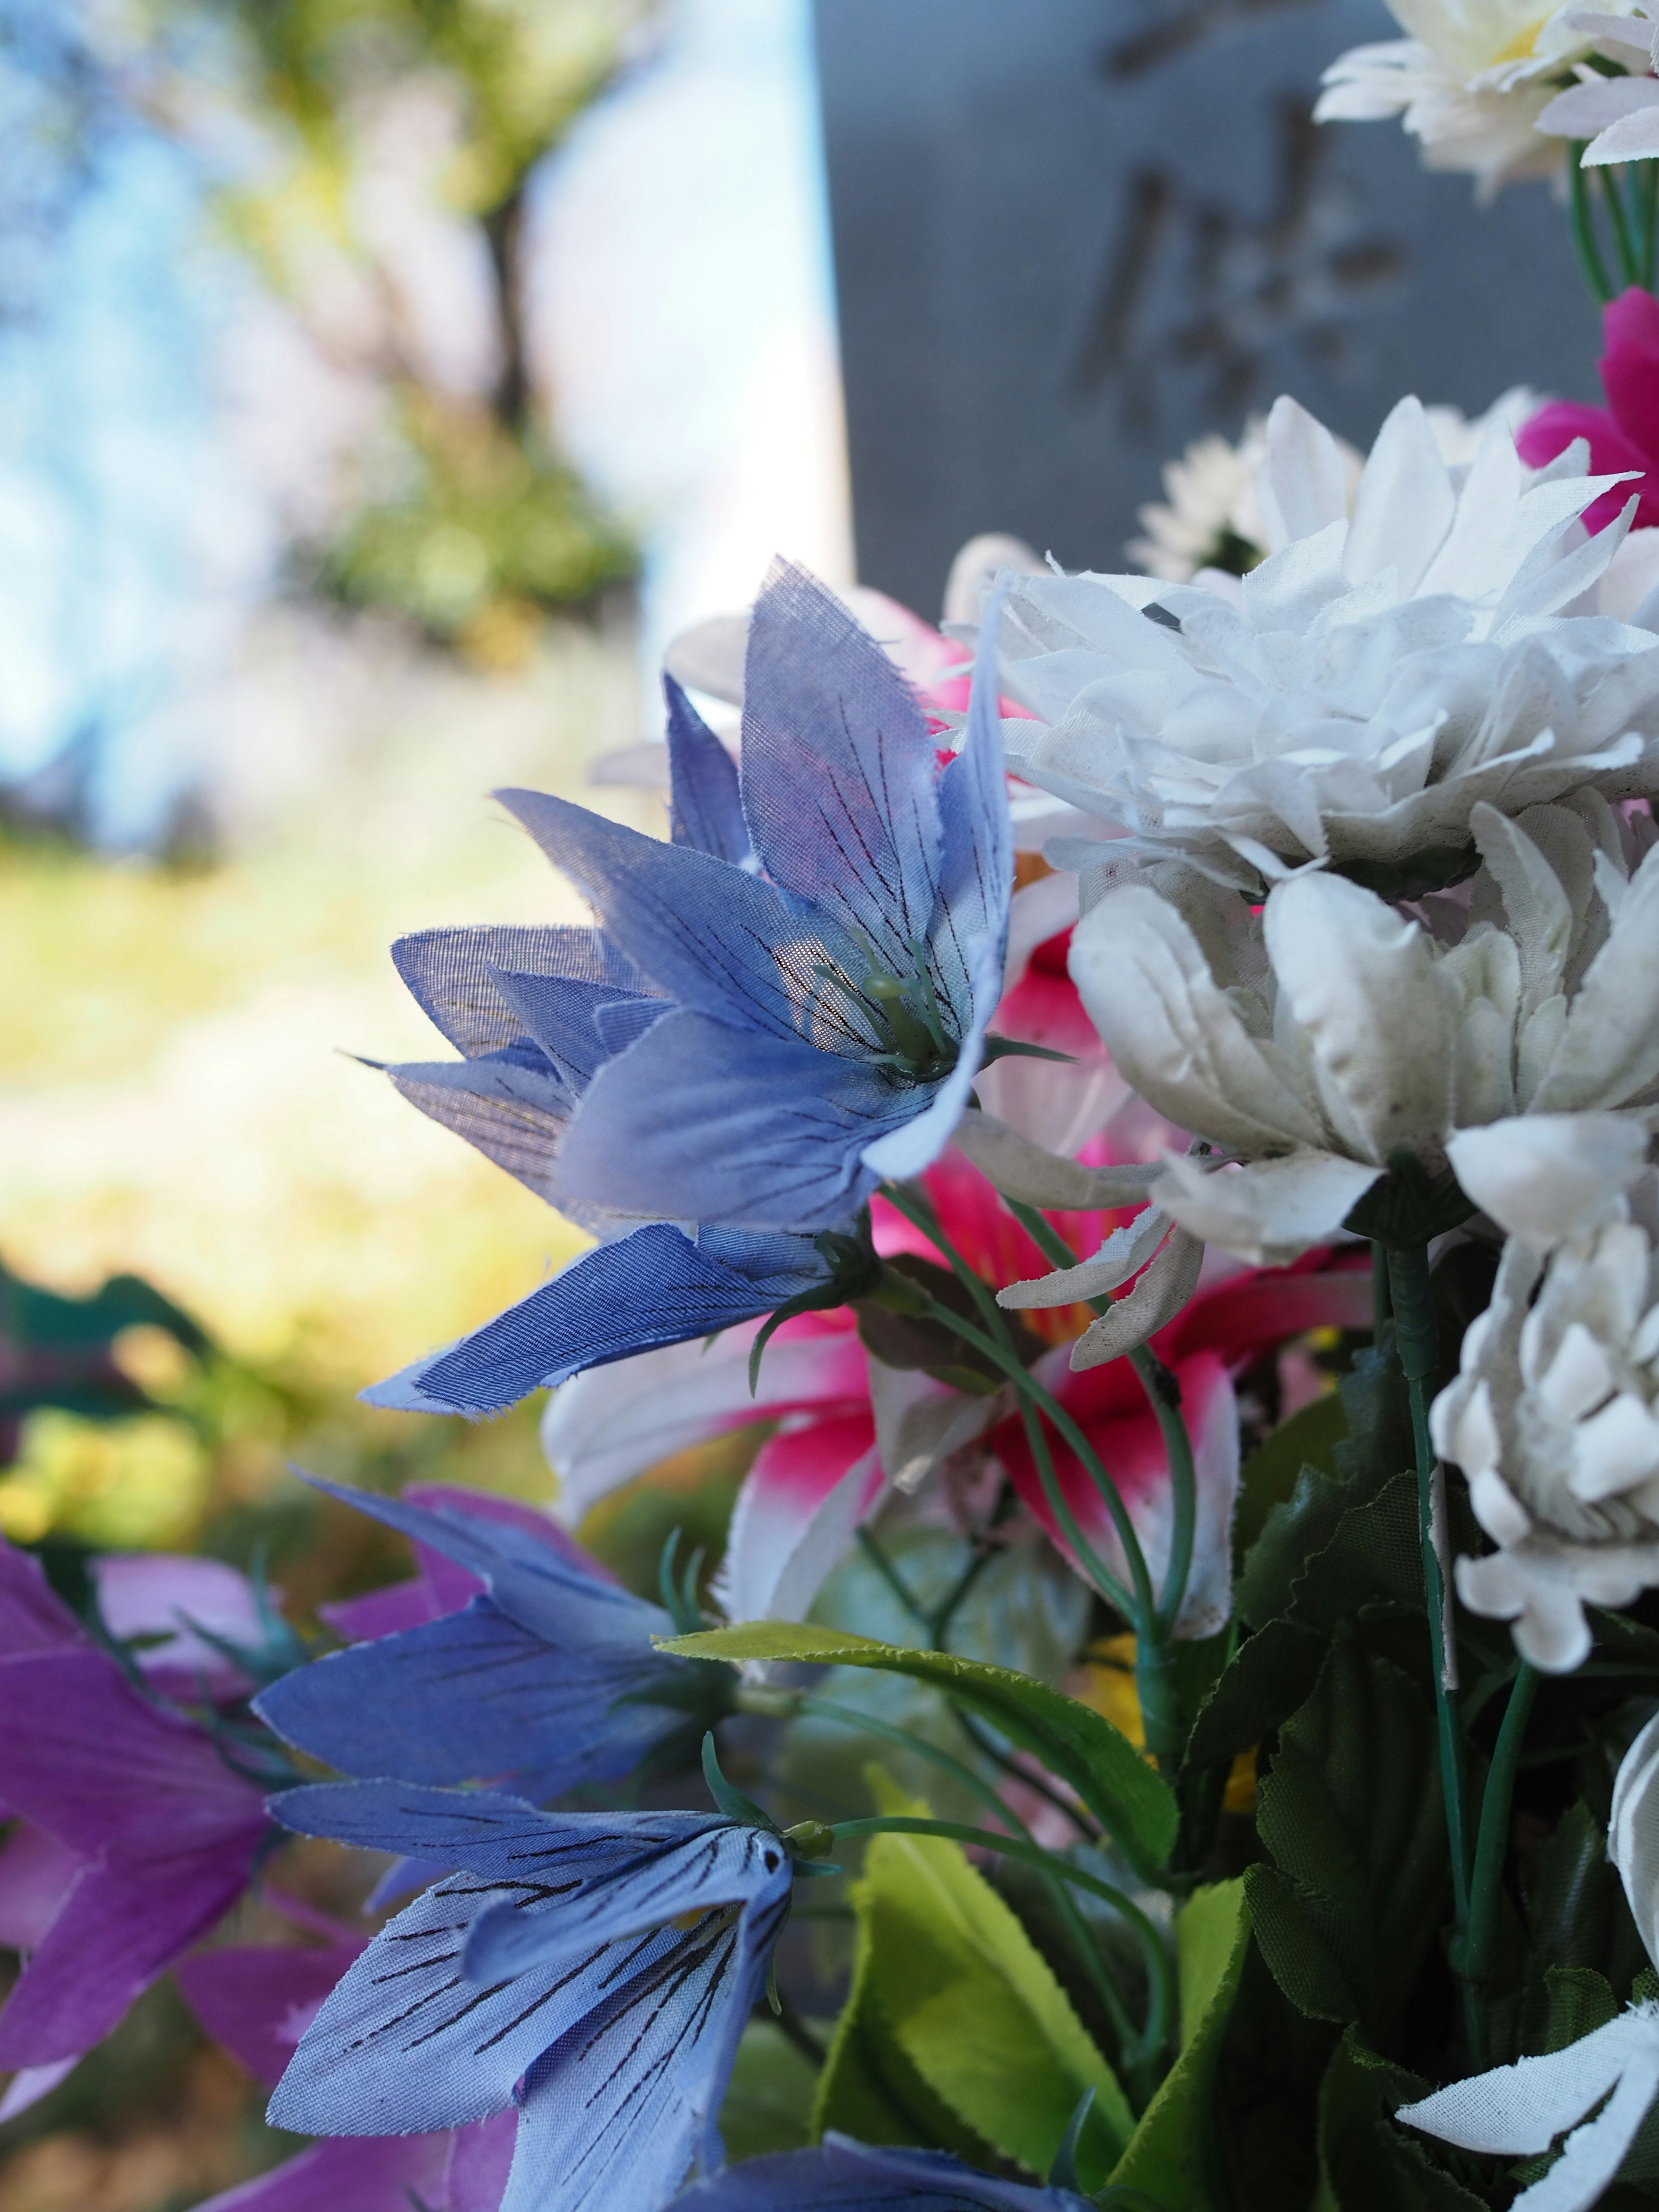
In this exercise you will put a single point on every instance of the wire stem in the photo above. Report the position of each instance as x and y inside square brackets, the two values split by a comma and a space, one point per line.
[1492, 1841]
[1581, 224]
[1623, 244]
[1412, 1299]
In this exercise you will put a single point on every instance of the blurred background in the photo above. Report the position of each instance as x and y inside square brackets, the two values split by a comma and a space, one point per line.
[383, 383]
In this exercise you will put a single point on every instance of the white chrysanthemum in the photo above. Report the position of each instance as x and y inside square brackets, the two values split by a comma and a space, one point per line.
[1618, 115]
[1552, 1419]
[1469, 81]
[1317, 1048]
[1211, 518]
[1352, 698]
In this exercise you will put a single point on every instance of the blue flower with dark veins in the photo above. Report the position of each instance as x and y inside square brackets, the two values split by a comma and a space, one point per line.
[596, 1969]
[843, 2176]
[814, 1017]
[782, 1007]
[547, 1681]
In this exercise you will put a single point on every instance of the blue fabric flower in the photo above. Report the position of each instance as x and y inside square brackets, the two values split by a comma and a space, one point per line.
[844, 2176]
[817, 1014]
[597, 1969]
[547, 1681]
[656, 1286]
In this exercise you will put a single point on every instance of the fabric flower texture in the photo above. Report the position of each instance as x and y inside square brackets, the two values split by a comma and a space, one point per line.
[1552, 1419]
[1597, 2091]
[1354, 698]
[136, 1834]
[542, 1676]
[1618, 115]
[1470, 84]
[1341, 1043]
[594, 1969]
[1624, 434]
[780, 1008]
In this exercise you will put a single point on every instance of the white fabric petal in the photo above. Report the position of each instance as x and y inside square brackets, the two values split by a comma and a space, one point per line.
[1609, 1052]
[1634, 138]
[1633, 1833]
[1615, 1450]
[1125, 1252]
[1362, 982]
[1303, 486]
[777, 1558]
[1167, 1286]
[1019, 1168]
[1149, 990]
[1545, 1177]
[921, 1422]
[1269, 1211]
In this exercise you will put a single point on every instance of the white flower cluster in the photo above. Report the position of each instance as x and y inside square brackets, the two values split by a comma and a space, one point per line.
[1378, 932]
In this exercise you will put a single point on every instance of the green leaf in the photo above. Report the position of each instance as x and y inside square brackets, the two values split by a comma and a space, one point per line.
[1580, 2001]
[958, 1987]
[1171, 2155]
[1268, 1477]
[768, 2102]
[1075, 1743]
[1269, 1677]
[1575, 1916]
[1365, 2164]
[1350, 1812]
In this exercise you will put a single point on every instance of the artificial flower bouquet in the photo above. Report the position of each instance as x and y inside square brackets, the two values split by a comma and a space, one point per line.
[1135, 1115]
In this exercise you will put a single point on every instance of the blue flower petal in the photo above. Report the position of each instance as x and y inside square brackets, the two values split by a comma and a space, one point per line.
[653, 1287]
[452, 976]
[702, 1122]
[705, 805]
[839, 769]
[474, 1696]
[514, 1115]
[709, 935]
[562, 1014]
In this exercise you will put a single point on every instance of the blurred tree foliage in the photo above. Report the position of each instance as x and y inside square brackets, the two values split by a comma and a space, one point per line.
[463, 517]
[486, 525]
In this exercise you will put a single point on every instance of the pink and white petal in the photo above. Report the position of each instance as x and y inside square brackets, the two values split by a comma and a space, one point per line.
[36, 1875]
[808, 1490]
[148, 1594]
[603, 1428]
[118, 1930]
[919, 1422]
[350, 2173]
[1211, 1415]
[1245, 1314]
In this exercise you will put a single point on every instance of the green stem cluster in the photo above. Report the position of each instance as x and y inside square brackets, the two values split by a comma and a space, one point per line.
[1629, 206]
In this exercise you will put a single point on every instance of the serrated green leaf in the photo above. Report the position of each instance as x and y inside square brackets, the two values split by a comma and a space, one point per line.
[964, 1995]
[1268, 1477]
[1297, 1955]
[1580, 2001]
[1074, 1742]
[1350, 1812]
[1171, 2153]
[1365, 2164]
[1270, 1674]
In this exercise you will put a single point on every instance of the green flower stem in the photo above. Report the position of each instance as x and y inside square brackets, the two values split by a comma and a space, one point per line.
[1141, 1604]
[1412, 1299]
[1622, 244]
[1177, 1443]
[1492, 1840]
[1160, 1975]
[826, 1709]
[1581, 223]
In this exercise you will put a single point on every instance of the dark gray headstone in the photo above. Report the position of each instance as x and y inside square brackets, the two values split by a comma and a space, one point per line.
[1072, 234]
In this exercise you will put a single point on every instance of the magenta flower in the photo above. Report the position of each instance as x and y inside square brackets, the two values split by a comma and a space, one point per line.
[137, 1835]
[1623, 434]
[257, 2000]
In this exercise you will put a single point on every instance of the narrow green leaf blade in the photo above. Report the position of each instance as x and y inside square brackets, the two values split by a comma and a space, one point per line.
[1073, 1741]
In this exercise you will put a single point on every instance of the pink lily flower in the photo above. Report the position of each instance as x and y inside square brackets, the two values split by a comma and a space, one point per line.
[138, 1837]
[1207, 1344]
